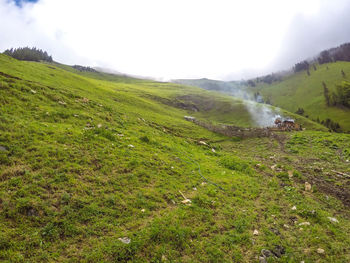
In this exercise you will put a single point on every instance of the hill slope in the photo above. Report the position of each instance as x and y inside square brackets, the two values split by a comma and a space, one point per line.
[302, 91]
[96, 169]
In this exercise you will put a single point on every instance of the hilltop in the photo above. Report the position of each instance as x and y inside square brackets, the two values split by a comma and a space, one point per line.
[96, 167]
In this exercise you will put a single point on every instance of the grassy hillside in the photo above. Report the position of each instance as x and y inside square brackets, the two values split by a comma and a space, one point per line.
[91, 170]
[303, 91]
[210, 84]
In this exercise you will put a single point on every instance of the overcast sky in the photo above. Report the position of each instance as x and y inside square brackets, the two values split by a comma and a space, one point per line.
[167, 39]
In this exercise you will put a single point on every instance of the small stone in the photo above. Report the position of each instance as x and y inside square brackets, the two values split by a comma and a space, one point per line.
[164, 258]
[131, 146]
[186, 201]
[203, 183]
[333, 219]
[294, 208]
[266, 253]
[304, 224]
[143, 210]
[286, 226]
[290, 174]
[99, 125]
[76, 115]
[278, 251]
[202, 142]
[3, 149]
[213, 150]
[255, 232]
[62, 102]
[273, 167]
[262, 260]
[320, 251]
[275, 231]
[172, 167]
[258, 165]
[125, 240]
[195, 188]
[33, 91]
[307, 186]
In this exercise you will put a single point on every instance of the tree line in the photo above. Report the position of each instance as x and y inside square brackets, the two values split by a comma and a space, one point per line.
[341, 53]
[28, 54]
[339, 97]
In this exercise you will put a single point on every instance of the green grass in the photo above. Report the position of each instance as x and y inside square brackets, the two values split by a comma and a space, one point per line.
[86, 159]
[303, 91]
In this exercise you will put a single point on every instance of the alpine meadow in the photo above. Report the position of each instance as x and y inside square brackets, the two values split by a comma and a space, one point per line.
[187, 131]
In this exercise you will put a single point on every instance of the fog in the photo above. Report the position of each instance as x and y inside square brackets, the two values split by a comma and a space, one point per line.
[163, 39]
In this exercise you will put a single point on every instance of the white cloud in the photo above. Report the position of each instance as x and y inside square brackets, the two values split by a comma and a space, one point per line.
[159, 38]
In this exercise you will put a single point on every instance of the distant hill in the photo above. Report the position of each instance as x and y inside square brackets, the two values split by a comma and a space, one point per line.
[306, 91]
[210, 84]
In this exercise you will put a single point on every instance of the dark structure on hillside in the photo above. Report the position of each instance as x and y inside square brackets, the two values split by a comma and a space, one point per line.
[287, 124]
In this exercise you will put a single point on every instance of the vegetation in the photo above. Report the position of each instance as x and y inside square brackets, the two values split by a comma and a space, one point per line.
[28, 54]
[91, 166]
[82, 68]
[302, 66]
[341, 53]
[341, 97]
[323, 94]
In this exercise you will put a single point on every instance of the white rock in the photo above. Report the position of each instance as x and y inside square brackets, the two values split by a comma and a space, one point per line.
[99, 125]
[131, 146]
[294, 208]
[33, 91]
[186, 201]
[320, 251]
[143, 210]
[125, 240]
[307, 186]
[213, 150]
[255, 232]
[202, 142]
[195, 188]
[290, 174]
[304, 224]
[333, 219]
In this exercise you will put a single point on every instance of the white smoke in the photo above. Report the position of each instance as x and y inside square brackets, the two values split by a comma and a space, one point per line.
[262, 114]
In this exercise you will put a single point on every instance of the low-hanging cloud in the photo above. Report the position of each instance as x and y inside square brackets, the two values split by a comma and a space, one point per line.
[307, 36]
[177, 39]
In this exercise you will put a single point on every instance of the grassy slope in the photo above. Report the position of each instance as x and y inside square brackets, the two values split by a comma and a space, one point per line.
[300, 90]
[71, 184]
